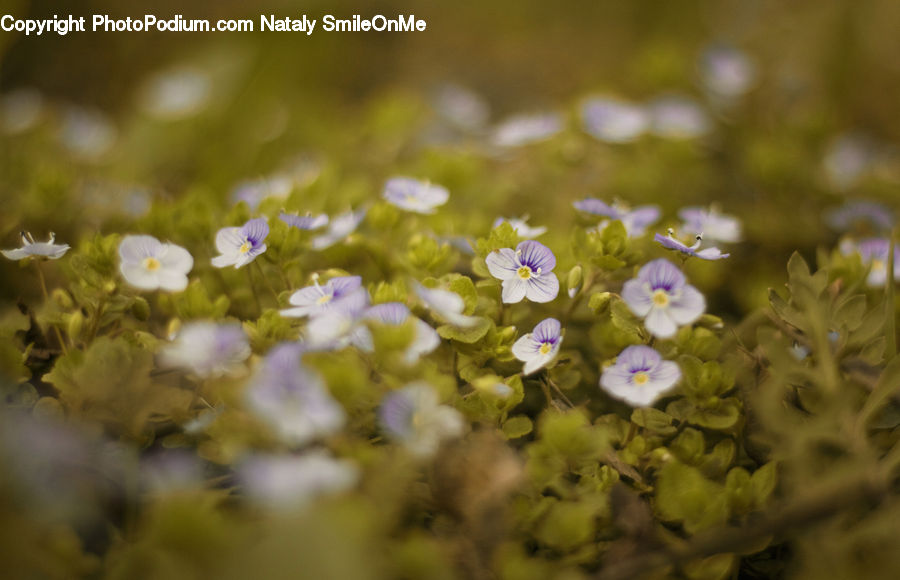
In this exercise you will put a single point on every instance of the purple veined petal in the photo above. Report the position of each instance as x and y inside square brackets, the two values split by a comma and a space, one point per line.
[255, 230]
[536, 256]
[662, 274]
[660, 324]
[425, 340]
[526, 347]
[666, 374]
[343, 285]
[228, 240]
[710, 254]
[353, 303]
[638, 358]
[597, 207]
[394, 313]
[306, 222]
[543, 288]
[502, 264]
[640, 218]
[637, 298]
[547, 330]
[308, 296]
[687, 307]
[133, 249]
[616, 378]
[514, 290]
[671, 243]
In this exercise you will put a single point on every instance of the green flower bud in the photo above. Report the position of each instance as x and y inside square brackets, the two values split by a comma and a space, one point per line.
[574, 280]
[62, 298]
[140, 308]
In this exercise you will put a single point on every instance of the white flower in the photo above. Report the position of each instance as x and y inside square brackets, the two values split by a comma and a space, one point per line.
[640, 376]
[662, 297]
[521, 226]
[677, 117]
[32, 249]
[339, 325]
[526, 272]
[539, 347]
[149, 264]
[424, 341]
[527, 129]
[318, 299]
[614, 121]
[414, 195]
[414, 417]
[208, 349]
[340, 227]
[712, 225]
[446, 304]
[290, 482]
[240, 246]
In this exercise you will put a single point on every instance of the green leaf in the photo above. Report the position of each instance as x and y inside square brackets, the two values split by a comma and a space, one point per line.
[849, 313]
[716, 567]
[468, 335]
[654, 420]
[684, 495]
[464, 286]
[762, 484]
[517, 426]
[566, 526]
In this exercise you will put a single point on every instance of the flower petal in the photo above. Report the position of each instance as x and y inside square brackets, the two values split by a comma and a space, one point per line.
[255, 230]
[176, 259]
[637, 298]
[536, 255]
[228, 240]
[134, 249]
[662, 275]
[547, 330]
[172, 280]
[542, 289]
[660, 324]
[526, 347]
[139, 277]
[514, 290]
[502, 263]
[687, 307]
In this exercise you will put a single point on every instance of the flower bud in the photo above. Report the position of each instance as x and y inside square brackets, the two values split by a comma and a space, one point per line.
[140, 308]
[75, 325]
[573, 282]
[62, 298]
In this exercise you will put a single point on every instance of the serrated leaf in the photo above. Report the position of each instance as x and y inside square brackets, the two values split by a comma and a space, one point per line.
[849, 313]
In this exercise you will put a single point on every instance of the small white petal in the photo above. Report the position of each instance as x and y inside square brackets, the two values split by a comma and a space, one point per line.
[660, 324]
[502, 263]
[514, 290]
[542, 289]
[637, 298]
[688, 307]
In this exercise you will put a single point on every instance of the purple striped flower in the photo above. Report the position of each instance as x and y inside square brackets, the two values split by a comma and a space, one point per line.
[539, 347]
[292, 399]
[672, 243]
[240, 246]
[710, 224]
[413, 195]
[304, 222]
[661, 296]
[317, 299]
[414, 417]
[640, 376]
[636, 221]
[526, 272]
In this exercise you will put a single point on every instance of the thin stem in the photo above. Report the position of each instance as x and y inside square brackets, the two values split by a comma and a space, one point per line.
[259, 309]
[891, 322]
[59, 337]
[268, 283]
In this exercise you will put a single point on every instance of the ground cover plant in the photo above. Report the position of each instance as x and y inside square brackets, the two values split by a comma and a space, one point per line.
[643, 331]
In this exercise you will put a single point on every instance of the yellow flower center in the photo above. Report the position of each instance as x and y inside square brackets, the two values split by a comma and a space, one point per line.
[324, 299]
[545, 348]
[151, 264]
[524, 272]
[660, 298]
[245, 247]
[641, 378]
[878, 264]
[417, 420]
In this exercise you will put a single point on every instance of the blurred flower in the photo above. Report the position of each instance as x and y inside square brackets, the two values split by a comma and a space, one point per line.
[539, 347]
[848, 158]
[317, 299]
[527, 129]
[290, 482]
[521, 226]
[88, 134]
[207, 349]
[678, 118]
[462, 107]
[414, 195]
[672, 243]
[414, 417]
[661, 296]
[526, 272]
[20, 110]
[292, 399]
[171, 470]
[614, 121]
[240, 246]
[304, 222]
[340, 325]
[636, 221]
[859, 212]
[253, 192]
[446, 304]
[149, 264]
[726, 71]
[875, 253]
[461, 243]
[424, 341]
[175, 94]
[640, 376]
[710, 224]
[340, 227]
[32, 249]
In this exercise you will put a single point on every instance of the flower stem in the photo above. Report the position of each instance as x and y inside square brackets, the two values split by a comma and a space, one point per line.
[255, 293]
[890, 313]
[40, 271]
[267, 282]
